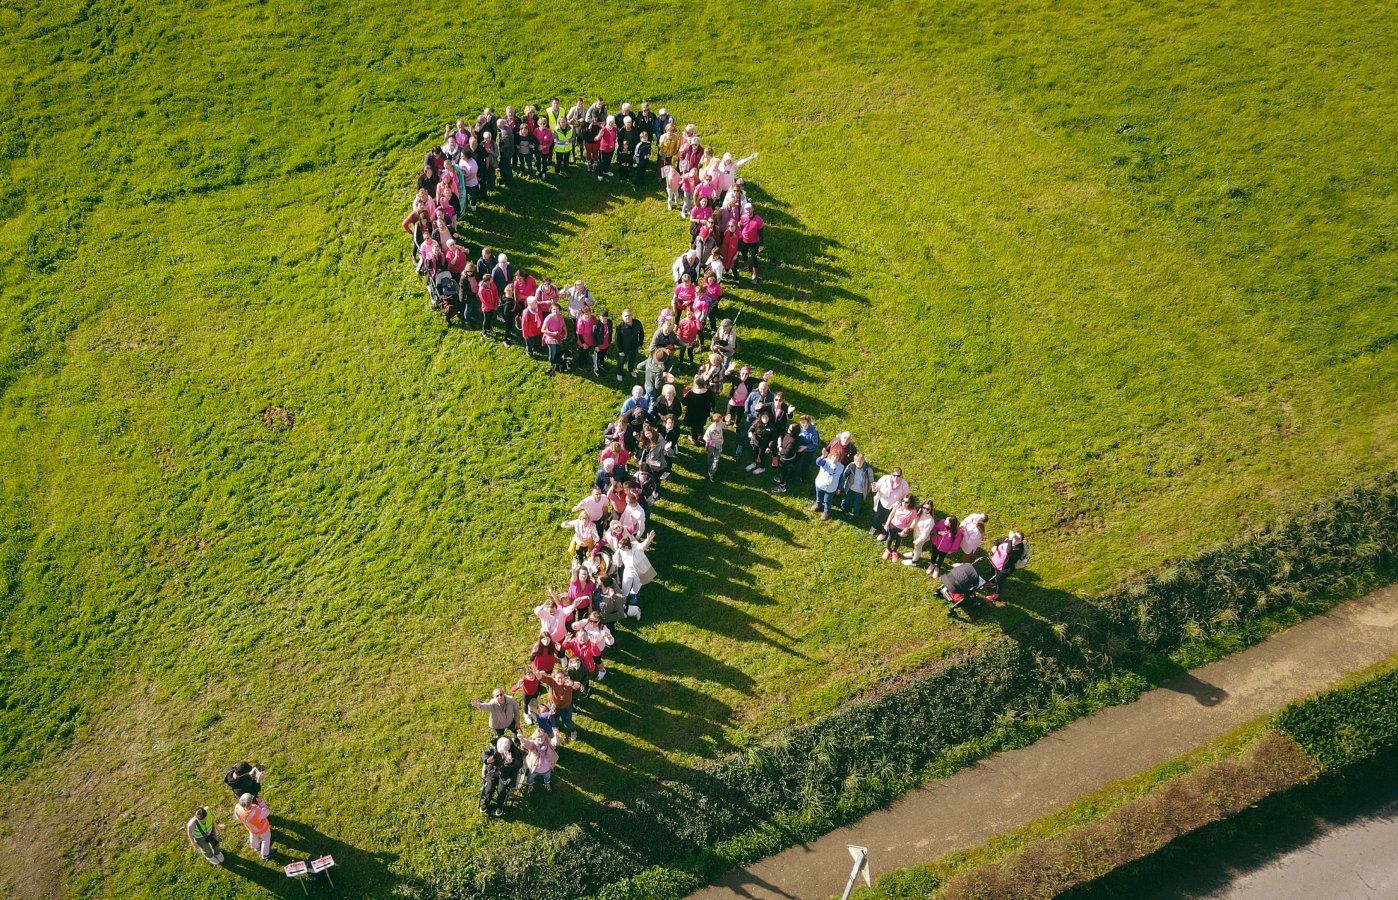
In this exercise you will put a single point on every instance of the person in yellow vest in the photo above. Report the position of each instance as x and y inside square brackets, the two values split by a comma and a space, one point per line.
[252, 813]
[203, 831]
[562, 145]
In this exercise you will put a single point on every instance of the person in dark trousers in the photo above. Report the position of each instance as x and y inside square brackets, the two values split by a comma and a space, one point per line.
[202, 832]
[1007, 554]
[244, 778]
[630, 338]
[641, 159]
[506, 128]
[500, 764]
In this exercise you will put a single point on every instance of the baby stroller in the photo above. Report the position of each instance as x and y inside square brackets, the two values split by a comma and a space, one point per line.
[962, 586]
[443, 292]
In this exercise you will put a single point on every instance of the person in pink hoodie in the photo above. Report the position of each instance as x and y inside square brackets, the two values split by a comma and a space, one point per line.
[750, 229]
[946, 539]
[531, 326]
[553, 618]
[555, 331]
[540, 760]
[688, 332]
[606, 147]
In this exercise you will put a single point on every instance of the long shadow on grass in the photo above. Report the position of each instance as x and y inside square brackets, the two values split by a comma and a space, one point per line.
[1079, 636]
[356, 871]
[527, 221]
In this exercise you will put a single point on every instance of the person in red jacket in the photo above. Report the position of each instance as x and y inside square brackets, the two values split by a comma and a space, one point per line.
[555, 332]
[688, 332]
[489, 297]
[531, 327]
[528, 688]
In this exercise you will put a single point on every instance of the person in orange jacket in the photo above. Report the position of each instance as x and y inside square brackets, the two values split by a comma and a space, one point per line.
[252, 813]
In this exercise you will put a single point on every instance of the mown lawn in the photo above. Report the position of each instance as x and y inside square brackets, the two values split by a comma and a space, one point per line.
[1121, 276]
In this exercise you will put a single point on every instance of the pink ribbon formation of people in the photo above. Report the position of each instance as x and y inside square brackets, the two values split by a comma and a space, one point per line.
[569, 328]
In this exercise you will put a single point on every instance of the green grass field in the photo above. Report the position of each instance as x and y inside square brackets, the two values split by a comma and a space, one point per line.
[1121, 276]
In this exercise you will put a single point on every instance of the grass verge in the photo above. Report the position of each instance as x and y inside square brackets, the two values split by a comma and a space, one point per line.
[1005, 693]
[1117, 842]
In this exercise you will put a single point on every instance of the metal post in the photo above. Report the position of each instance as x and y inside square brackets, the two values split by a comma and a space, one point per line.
[861, 864]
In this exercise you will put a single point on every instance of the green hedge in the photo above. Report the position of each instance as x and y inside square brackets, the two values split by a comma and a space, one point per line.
[1346, 725]
[801, 783]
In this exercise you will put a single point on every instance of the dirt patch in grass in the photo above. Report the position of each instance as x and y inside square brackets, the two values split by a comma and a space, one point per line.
[278, 418]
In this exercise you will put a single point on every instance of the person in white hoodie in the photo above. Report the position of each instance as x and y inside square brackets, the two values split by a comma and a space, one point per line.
[923, 526]
[827, 481]
[972, 533]
[636, 567]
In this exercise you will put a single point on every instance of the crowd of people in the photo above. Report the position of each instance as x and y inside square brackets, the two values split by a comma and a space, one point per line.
[569, 328]
[608, 528]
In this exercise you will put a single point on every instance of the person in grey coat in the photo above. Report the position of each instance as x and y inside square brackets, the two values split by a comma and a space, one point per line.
[504, 712]
[856, 484]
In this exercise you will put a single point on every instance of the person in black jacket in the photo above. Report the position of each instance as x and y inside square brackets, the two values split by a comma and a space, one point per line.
[630, 337]
[500, 765]
[244, 778]
[641, 158]
[763, 437]
[787, 446]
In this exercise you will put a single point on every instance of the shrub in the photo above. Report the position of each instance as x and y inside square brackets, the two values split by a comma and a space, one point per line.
[1347, 724]
[1140, 827]
[797, 784]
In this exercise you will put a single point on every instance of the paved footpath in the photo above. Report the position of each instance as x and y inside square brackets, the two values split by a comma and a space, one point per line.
[1011, 789]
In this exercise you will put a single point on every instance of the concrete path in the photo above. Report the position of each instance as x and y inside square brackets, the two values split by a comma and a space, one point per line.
[1011, 789]
[1350, 862]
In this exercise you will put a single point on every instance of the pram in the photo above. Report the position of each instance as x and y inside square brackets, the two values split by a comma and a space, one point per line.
[962, 587]
[444, 293]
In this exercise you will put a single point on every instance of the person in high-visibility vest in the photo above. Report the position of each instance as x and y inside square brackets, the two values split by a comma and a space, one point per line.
[203, 834]
[562, 145]
[252, 813]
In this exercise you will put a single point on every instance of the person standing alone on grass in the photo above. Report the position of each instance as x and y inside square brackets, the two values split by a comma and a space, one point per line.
[251, 813]
[203, 834]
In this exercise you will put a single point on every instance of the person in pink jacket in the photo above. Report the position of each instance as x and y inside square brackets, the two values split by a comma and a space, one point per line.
[596, 633]
[900, 525]
[555, 329]
[540, 760]
[553, 618]
[946, 539]
[606, 148]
